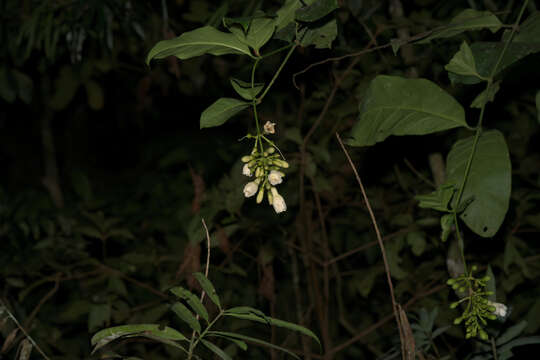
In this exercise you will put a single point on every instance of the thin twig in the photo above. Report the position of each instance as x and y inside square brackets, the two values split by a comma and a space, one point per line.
[43, 300]
[418, 173]
[14, 319]
[377, 232]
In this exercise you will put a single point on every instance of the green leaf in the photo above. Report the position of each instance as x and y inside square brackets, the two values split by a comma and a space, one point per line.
[192, 300]
[529, 340]
[318, 9]
[260, 31]
[463, 62]
[241, 344]
[491, 284]
[186, 315]
[205, 40]
[397, 106]
[285, 15]
[489, 181]
[220, 111]
[105, 336]
[511, 333]
[467, 20]
[321, 37]
[247, 313]
[486, 55]
[235, 336]
[94, 95]
[437, 200]
[529, 30]
[222, 354]
[417, 241]
[208, 288]
[486, 96]
[245, 90]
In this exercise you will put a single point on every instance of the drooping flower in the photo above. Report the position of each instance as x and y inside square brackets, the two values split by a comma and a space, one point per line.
[500, 309]
[269, 127]
[250, 189]
[246, 170]
[278, 202]
[275, 177]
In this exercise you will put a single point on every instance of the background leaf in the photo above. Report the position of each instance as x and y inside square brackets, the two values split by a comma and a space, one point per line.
[245, 90]
[488, 184]
[205, 40]
[397, 106]
[317, 10]
[463, 62]
[220, 111]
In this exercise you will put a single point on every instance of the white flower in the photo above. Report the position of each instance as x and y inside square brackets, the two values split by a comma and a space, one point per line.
[269, 127]
[246, 170]
[500, 309]
[275, 177]
[250, 189]
[278, 202]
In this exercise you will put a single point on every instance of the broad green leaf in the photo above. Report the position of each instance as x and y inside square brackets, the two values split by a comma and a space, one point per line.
[486, 55]
[463, 62]
[437, 200]
[529, 30]
[208, 288]
[192, 300]
[205, 40]
[94, 95]
[222, 354]
[220, 111]
[318, 9]
[247, 313]
[488, 183]
[528, 340]
[235, 336]
[186, 315]
[260, 31]
[538, 104]
[321, 37]
[100, 314]
[245, 90]
[417, 242]
[163, 341]
[105, 336]
[241, 344]
[394, 105]
[511, 333]
[244, 21]
[285, 15]
[467, 20]
[491, 284]
[486, 96]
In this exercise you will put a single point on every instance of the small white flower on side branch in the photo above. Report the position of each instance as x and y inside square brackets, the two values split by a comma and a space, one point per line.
[278, 202]
[275, 177]
[250, 189]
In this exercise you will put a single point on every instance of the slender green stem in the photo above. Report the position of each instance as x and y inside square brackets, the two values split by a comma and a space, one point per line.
[479, 132]
[277, 50]
[277, 73]
[194, 342]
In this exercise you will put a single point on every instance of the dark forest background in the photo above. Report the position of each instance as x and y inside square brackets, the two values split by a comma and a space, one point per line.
[105, 177]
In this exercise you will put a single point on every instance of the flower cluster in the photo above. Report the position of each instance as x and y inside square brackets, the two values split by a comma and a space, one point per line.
[266, 166]
[478, 308]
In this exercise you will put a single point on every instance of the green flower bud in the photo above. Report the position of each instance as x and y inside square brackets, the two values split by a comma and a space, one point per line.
[281, 163]
[458, 320]
[260, 195]
[246, 158]
[474, 268]
[271, 150]
[454, 305]
[483, 335]
[450, 282]
[491, 316]
[270, 198]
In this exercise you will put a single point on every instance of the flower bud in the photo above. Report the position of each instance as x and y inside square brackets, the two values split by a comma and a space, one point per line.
[270, 197]
[246, 158]
[250, 189]
[246, 170]
[281, 163]
[260, 195]
[271, 150]
[278, 202]
[275, 177]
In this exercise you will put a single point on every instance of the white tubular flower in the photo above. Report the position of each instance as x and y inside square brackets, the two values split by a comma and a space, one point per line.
[269, 127]
[250, 189]
[275, 177]
[278, 202]
[500, 309]
[246, 170]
